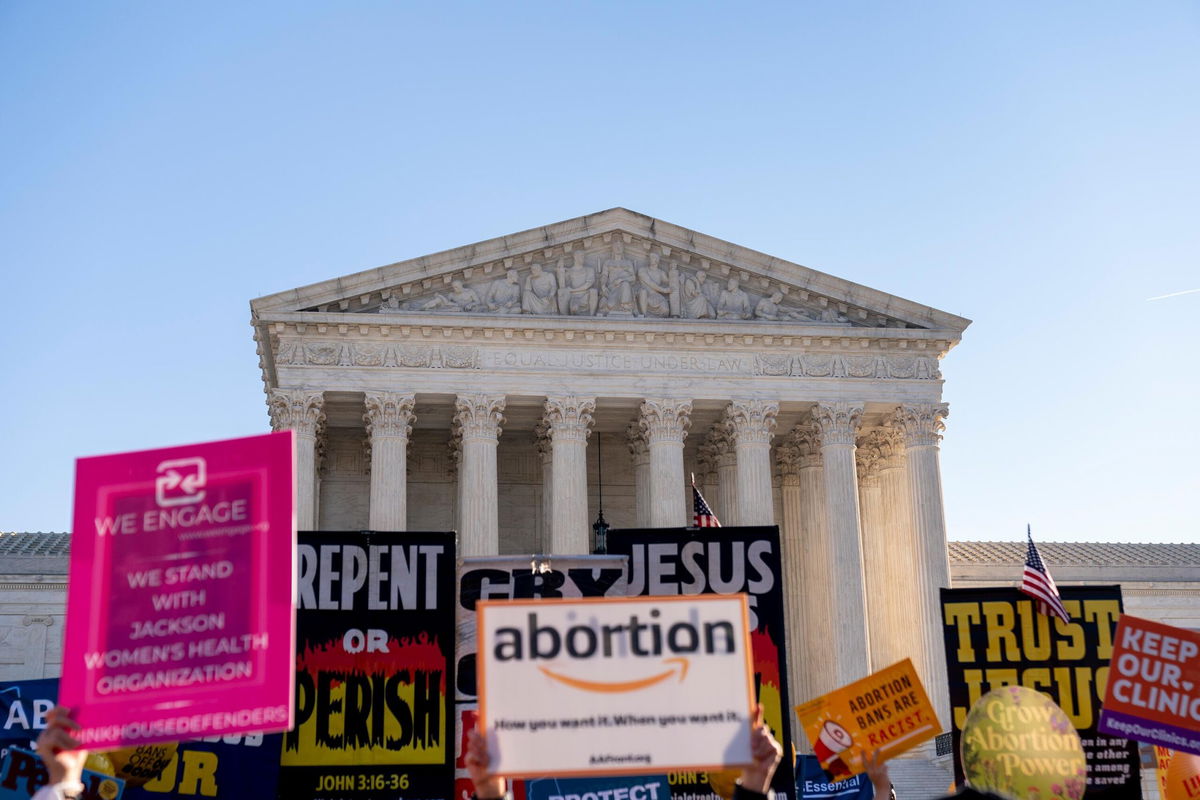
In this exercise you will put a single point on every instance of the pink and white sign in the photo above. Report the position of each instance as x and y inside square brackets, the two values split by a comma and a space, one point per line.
[181, 617]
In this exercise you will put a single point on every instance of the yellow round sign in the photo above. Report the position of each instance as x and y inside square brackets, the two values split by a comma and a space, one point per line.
[1018, 744]
[1183, 777]
[139, 765]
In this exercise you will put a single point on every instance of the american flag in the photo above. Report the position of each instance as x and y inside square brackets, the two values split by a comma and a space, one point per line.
[703, 517]
[1038, 584]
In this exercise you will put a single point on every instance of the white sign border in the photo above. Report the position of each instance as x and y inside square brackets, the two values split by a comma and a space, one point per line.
[481, 682]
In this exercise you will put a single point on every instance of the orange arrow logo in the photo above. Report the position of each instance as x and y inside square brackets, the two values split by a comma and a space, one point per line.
[620, 686]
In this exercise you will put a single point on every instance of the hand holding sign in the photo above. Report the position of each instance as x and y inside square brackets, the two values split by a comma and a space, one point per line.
[765, 754]
[478, 761]
[59, 748]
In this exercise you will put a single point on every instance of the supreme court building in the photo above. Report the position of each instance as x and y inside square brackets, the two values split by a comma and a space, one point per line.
[489, 388]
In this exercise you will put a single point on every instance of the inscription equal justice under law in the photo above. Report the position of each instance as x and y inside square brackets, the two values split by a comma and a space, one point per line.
[624, 362]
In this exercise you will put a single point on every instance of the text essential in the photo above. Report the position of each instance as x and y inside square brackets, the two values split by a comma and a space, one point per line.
[180, 609]
[615, 685]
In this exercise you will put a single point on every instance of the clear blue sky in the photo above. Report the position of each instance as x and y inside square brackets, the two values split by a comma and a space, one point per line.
[1033, 166]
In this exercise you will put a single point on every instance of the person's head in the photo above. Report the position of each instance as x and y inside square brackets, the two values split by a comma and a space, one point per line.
[511, 275]
[577, 258]
[536, 269]
[618, 249]
[457, 285]
[732, 284]
[654, 258]
[776, 297]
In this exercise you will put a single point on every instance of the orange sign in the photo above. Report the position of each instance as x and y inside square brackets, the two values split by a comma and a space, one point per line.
[887, 712]
[1162, 759]
[1152, 685]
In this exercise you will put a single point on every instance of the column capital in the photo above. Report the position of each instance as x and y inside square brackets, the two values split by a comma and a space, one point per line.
[389, 414]
[720, 443]
[868, 459]
[751, 421]
[889, 444]
[479, 416]
[299, 410]
[787, 455]
[807, 438]
[542, 440]
[800, 449]
[921, 423]
[635, 438]
[569, 418]
[665, 419]
[838, 422]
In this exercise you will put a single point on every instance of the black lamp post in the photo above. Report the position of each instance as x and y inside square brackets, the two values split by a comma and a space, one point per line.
[600, 526]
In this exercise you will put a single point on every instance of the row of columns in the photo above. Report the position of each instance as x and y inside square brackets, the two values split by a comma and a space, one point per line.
[863, 528]
[864, 532]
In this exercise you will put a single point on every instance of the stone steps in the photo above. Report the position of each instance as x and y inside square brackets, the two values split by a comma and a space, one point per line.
[920, 778]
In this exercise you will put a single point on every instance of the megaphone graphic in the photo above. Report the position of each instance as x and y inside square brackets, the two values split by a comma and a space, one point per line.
[832, 740]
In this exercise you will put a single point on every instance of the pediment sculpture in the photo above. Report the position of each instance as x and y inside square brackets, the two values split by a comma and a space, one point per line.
[613, 282]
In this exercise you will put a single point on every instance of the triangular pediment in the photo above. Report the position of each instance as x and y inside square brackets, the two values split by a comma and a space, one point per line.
[616, 264]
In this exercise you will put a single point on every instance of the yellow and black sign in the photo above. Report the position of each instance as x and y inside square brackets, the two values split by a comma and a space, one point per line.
[374, 668]
[996, 637]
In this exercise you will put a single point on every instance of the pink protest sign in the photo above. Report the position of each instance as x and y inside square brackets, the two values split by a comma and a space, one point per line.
[180, 606]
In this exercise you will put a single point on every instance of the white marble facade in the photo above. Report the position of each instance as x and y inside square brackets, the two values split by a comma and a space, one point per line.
[476, 389]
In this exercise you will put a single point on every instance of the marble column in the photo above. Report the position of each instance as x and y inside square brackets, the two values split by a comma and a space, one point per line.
[922, 426]
[879, 554]
[302, 411]
[478, 418]
[545, 448]
[665, 422]
[388, 418]
[639, 454]
[904, 607]
[812, 667]
[720, 441]
[838, 423]
[791, 540]
[569, 420]
[752, 424]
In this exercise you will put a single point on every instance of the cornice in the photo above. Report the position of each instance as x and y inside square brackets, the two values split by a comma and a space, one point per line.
[588, 330]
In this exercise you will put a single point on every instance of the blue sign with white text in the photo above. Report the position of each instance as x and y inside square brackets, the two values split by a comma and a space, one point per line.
[813, 783]
[231, 767]
[23, 707]
[634, 787]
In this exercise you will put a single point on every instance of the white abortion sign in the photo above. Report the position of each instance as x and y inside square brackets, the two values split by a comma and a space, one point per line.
[614, 684]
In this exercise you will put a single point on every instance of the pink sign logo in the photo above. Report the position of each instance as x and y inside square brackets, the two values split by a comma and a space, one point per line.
[180, 482]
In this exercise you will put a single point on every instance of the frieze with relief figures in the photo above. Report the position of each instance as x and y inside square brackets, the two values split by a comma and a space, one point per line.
[619, 280]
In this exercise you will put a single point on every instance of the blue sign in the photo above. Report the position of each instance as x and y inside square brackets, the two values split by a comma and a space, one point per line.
[22, 773]
[812, 782]
[634, 787]
[23, 707]
[235, 766]
[229, 767]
